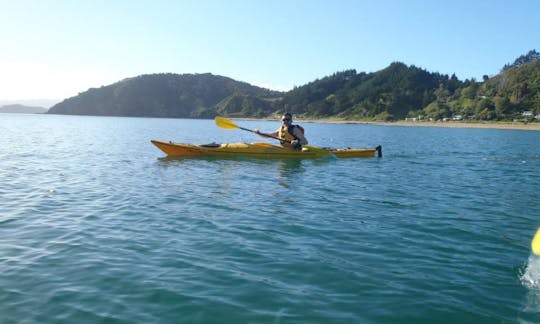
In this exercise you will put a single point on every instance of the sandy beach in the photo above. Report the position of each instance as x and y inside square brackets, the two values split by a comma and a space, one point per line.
[494, 125]
[454, 124]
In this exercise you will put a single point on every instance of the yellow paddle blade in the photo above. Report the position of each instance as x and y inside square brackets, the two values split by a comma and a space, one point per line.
[535, 244]
[225, 123]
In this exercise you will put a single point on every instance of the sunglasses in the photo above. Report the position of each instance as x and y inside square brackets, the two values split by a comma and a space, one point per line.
[286, 119]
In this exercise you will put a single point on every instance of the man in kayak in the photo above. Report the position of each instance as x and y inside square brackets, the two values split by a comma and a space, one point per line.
[292, 136]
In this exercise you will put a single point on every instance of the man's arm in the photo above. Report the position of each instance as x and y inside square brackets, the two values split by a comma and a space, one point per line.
[300, 135]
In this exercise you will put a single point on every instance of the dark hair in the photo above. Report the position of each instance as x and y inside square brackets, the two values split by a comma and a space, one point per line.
[288, 114]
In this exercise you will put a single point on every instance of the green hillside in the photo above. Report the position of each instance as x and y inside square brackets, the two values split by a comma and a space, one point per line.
[169, 95]
[387, 94]
[504, 96]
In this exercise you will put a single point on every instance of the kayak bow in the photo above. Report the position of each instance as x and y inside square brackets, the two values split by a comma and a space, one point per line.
[260, 150]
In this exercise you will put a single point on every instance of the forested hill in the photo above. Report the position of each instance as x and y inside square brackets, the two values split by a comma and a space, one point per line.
[386, 94]
[171, 95]
[396, 92]
[401, 91]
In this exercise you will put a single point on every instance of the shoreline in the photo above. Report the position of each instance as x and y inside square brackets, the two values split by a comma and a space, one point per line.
[448, 124]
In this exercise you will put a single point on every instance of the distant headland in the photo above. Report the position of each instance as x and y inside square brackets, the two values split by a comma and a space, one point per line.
[22, 109]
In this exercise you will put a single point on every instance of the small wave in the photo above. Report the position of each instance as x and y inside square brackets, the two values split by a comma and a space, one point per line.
[530, 279]
[531, 275]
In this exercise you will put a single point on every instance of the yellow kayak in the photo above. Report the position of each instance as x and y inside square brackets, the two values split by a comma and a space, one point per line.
[260, 150]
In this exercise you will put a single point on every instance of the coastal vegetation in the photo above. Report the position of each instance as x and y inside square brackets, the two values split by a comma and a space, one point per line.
[394, 93]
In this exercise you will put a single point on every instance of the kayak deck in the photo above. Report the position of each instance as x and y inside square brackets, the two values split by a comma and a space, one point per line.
[358, 152]
[260, 150]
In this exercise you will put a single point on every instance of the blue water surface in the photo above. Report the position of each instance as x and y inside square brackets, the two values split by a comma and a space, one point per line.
[96, 225]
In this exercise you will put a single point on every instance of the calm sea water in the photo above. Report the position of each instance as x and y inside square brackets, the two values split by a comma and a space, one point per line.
[96, 226]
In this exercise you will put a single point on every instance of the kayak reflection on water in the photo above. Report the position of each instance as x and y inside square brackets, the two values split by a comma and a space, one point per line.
[288, 170]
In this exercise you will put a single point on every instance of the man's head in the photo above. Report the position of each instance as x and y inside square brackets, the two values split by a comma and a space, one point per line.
[286, 119]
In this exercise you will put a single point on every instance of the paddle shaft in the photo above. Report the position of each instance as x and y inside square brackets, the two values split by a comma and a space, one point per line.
[263, 134]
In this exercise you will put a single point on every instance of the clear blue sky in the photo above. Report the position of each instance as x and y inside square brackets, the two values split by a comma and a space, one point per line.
[57, 48]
